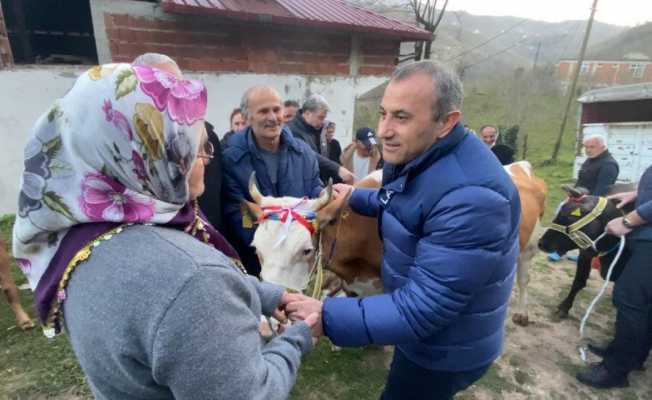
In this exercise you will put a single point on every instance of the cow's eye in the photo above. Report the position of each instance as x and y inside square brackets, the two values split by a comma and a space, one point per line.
[307, 252]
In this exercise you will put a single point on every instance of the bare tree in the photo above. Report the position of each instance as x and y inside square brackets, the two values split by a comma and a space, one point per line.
[426, 15]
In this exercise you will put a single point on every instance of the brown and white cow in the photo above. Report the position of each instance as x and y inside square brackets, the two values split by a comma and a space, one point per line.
[351, 247]
[11, 292]
[285, 240]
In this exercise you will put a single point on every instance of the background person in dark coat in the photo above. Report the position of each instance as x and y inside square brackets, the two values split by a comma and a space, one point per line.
[449, 221]
[290, 108]
[597, 174]
[489, 135]
[632, 294]
[334, 149]
[307, 126]
[209, 201]
[284, 166]
[600, 169]
[237, 122]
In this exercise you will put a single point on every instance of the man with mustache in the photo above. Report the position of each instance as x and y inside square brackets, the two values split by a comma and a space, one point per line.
[284, 166]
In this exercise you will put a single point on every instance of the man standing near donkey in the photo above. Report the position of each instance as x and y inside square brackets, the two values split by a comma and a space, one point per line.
[449, 220]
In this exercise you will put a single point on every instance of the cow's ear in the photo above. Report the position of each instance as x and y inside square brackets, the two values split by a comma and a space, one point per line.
[251, 212]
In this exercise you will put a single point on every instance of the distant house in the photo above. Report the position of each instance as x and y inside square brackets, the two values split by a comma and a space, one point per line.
[596, 73]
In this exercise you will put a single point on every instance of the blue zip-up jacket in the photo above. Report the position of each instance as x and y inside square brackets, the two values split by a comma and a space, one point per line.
[449, 224]
[298, 176]
[644, 207]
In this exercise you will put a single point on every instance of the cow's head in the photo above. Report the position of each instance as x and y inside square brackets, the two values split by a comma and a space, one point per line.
[351, 247]
[579, 220]
[285, 239]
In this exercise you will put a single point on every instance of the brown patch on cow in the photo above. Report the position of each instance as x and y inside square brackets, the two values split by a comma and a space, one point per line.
[11, 291]
[351, 246]
[532, 193]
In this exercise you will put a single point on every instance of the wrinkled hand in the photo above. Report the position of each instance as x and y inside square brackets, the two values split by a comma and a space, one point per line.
[623, 198]
[279, 313]
[314, 322]
[617, 228]
[346, 175]
[341, 189]
[309, 310]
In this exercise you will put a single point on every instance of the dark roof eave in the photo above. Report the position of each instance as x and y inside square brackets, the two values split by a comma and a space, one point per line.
[403, 36]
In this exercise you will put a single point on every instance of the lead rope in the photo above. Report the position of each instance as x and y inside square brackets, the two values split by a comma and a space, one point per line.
[318, 271]
[584, 342]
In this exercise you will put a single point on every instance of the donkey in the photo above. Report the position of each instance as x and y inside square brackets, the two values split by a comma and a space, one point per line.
[580, 220]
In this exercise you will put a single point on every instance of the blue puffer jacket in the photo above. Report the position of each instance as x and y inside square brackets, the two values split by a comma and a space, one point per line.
[449, 224]
[298, 176]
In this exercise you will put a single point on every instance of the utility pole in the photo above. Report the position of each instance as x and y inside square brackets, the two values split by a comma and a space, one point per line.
[571, 94]
[527, 103]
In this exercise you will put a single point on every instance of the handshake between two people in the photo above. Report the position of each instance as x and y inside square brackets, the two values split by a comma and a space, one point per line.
[299, 307]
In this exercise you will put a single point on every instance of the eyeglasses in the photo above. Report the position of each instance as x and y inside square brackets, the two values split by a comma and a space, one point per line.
[207, 152]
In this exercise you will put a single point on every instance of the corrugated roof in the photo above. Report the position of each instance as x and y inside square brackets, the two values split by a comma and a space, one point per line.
[334, 14]
[638, 91]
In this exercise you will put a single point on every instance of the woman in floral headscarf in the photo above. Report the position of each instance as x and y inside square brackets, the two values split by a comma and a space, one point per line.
[117, 255]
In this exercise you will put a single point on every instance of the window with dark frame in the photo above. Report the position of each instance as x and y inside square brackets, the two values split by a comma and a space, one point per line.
[50, 31]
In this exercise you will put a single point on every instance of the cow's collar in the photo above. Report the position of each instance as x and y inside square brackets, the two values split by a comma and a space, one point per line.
[574, 231]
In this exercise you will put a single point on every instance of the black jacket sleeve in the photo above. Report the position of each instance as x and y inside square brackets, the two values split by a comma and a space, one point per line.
[328, 169]
[606, 177]
[210, 201]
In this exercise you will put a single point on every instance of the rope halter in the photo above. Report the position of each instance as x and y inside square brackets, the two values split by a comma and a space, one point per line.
[574, 231]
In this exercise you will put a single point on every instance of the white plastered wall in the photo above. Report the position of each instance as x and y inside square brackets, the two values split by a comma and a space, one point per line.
[29, 91]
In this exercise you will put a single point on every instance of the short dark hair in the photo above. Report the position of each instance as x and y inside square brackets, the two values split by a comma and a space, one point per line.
[235, 112]
[483, 127]
[291, 103]
[447, 90]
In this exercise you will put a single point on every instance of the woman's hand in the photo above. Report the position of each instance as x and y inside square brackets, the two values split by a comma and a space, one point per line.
[314, 322]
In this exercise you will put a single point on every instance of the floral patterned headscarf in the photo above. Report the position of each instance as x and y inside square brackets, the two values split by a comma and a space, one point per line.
[117, 148]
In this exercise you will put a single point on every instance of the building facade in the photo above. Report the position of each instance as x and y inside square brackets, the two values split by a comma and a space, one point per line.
[603, 73]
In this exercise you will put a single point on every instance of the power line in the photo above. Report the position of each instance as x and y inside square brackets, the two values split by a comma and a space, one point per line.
[488, 40]
[570, 39]
[495, 54]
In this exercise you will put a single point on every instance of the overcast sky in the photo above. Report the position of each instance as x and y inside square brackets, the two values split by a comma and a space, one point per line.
[617, 12]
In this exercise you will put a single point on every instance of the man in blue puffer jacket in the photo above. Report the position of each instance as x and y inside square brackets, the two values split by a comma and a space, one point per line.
[448, 216]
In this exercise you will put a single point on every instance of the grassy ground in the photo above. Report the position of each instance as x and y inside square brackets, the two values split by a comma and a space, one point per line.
[33, 367]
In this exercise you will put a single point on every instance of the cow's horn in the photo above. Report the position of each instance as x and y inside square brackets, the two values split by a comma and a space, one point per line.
[253, 189]
[324, 197]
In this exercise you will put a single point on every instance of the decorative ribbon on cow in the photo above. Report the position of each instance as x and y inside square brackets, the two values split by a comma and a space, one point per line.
[287, 214]
[308, 219]
[574, 231]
